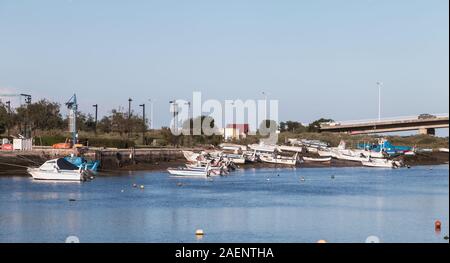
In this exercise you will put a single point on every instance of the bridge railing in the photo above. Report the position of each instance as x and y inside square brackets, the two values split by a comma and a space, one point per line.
[375, 121]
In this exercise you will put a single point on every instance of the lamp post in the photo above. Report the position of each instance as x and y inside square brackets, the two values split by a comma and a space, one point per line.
[96, 112]
[8, 104]
[143, 122]
[174, 105]
[129, 116]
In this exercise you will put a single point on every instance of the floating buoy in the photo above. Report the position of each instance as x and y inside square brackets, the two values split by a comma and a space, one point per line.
[122, 191]
[199, 232]
[179, 184]
[445, 237]
[268, 179]
[322, 241]
[142, 186]
[332, 177]
[437, 225]
[302, 179]
[72, 200]
[92, 177]
[278, 174]
[134, 185]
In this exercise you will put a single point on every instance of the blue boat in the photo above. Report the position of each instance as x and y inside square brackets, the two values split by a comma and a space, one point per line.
[386, 147]
[81, 162]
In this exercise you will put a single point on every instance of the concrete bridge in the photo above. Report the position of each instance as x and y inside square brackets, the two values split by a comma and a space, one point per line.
[424, 124]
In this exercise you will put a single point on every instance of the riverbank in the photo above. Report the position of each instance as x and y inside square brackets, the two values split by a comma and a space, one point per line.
[159, 159]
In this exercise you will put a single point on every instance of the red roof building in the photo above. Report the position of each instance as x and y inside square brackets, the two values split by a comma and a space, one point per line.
[243, 128]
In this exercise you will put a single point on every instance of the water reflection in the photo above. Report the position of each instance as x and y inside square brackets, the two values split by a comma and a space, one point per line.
[393, 205]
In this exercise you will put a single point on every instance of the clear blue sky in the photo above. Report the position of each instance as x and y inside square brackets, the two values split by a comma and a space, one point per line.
[319, 58]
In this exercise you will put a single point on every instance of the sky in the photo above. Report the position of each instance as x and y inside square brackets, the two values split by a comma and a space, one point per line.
[317, 58]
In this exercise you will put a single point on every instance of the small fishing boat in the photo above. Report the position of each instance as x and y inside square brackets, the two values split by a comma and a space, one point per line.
[58, 169]
[185, 171]
[381, 163]
[444, 150]
[278, 159]
[235, 158]
[324, 159]
[191, 156]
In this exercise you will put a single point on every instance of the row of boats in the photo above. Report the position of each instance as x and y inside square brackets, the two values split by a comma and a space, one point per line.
[221, 162]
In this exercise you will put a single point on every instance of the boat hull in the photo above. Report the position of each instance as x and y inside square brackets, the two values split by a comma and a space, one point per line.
[323, 160]
[68, 175]
[187, 172]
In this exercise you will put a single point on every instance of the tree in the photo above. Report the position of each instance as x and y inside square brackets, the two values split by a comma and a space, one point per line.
[292, 126]
[40, 116]
[5, 118]
[315, 125]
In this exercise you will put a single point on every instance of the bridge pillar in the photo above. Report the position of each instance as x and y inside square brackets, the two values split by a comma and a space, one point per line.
[427, 131]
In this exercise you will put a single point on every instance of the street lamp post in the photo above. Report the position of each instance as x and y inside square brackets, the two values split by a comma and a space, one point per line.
[143, 122]
[174, 104]
[8, 104]
[129, 116]
[96, 114]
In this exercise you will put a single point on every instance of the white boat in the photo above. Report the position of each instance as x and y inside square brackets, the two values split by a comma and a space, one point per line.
[278, 159]
[57, 169]
[444, 150]
[309, 159]
[349, 155]
[235, 158]
[326, 153]
[409, 153]
[286, 148]
[203, 172]
[381, 163]
[191, 156]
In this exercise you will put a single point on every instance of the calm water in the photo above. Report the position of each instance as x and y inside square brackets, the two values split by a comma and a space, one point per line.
[269, 205]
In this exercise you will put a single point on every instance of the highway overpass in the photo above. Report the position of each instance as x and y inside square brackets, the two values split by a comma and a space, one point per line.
[410, 123]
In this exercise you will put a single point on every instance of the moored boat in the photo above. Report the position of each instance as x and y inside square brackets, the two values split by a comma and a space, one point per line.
[58, 169]
[183, 171]
[381, 163]
[310, 159]
[278, 159]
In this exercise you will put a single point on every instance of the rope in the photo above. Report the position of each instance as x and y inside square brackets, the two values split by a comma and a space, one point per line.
[25, 158]
[16, 165]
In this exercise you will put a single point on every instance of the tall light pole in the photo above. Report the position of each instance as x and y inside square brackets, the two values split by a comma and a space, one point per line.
[96, 112]
[379, 84]
[143, 122]
[174, 104]
[129, 116]
[8, 105]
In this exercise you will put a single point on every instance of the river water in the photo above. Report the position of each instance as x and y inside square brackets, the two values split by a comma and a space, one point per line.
[254, 205]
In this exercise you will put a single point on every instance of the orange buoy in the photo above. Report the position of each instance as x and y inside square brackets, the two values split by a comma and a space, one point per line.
[437, 225]
[322, 241]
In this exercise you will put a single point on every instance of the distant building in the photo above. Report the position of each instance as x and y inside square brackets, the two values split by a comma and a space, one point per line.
[236, 131]
[243, 128]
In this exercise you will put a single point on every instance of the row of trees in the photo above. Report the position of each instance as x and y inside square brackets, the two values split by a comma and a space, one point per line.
[45, 116]
[297, 127]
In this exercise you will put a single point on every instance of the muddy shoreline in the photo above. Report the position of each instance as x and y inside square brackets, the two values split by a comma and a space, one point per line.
[15, 165]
